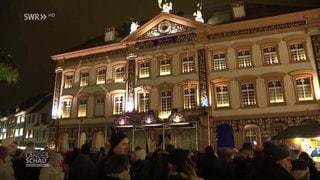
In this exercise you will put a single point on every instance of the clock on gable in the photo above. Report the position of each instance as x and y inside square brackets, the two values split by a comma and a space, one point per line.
[164, 27]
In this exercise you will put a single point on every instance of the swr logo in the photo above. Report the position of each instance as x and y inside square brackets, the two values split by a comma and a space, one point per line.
[37, 16]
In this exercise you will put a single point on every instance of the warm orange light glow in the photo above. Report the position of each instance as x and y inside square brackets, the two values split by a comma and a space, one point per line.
[176, 119]
[122, 121]
[148, 121]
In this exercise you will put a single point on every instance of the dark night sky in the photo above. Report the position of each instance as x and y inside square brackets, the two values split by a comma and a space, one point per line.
[31, 43]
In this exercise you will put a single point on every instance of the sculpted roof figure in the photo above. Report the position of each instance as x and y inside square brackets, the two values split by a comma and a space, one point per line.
[198, 14]
[165, 6]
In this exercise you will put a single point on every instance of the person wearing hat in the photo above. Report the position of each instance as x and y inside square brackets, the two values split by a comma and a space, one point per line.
[276, 164]
[119, 144]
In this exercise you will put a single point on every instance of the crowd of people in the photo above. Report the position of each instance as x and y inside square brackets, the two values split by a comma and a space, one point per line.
[264, 162]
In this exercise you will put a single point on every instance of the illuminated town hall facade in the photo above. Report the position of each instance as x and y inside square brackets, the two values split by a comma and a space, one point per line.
[180, 81]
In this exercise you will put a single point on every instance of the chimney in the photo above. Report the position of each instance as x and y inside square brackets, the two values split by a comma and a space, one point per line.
[110, 34]
[238, 10]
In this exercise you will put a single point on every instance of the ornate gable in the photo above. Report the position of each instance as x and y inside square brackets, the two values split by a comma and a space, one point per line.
[164, 24]
[165, 27]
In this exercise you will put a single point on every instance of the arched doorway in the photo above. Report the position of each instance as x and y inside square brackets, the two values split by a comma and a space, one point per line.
[83, 139]
[98, 141]
[225, 136]
[63, 141]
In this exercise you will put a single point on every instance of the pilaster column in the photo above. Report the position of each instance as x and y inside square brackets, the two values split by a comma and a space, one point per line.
[203, 77]
[131, 82]
[315, 42]
[56, 110]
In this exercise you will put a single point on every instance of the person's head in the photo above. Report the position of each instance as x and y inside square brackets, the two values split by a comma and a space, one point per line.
[139, 154]
[247, 149]
[258, 152]
[209, 151]
[178, 159]
[12, 149]
[31, 146]
[228, 153]
[118, 164]
[307, 158]
[278, 155]
[119, 143]
[56, 159]
[85, 149]
[169, 148]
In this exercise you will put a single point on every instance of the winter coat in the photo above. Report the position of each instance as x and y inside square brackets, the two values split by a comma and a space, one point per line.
[271, 170]
[51, 173]
[6, 171]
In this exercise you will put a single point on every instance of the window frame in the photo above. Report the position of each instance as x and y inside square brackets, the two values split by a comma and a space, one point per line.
[115, 73]
[271, 42]
[189, 85]
[277, 77]
[98, 75]
[168, 58]
[297, 39]
[164, 112]
[216, 52]
[80, 100]
[63, 107]
[190, 64]
[114, 103]
[84, 81]
[218, 83]
[248, 80]
[243, 58]
[140, 69]
[304, 74]
[249, 128]
[242, 46]
[68, 81]
[96, 97]
[146, 103]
